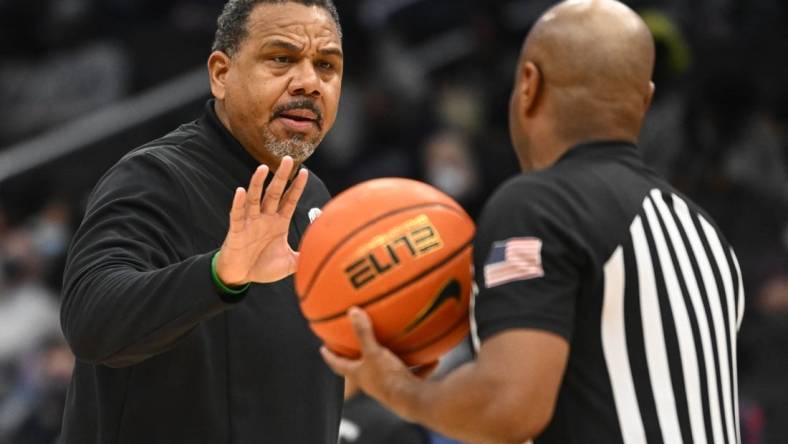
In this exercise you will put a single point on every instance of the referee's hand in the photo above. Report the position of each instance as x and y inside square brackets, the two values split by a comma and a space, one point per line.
[256, 248]
[378, 371]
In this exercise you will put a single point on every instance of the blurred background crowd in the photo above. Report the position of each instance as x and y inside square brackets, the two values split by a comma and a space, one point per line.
[425, 95]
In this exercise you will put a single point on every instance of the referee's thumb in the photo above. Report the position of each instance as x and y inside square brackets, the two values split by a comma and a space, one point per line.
[362, 325]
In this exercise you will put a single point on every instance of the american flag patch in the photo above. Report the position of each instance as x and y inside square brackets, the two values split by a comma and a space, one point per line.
[515, 259]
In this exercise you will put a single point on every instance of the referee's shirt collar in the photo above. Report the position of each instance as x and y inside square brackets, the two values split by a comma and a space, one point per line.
[606, 148]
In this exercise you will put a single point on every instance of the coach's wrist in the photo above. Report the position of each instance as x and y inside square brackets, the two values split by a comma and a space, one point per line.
[224, 288]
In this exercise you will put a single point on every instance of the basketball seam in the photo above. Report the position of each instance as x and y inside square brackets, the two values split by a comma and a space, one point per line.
[447, 332]
[386, 294]
[342, 241]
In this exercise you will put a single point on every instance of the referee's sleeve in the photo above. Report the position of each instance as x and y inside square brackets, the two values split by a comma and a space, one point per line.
[527, 261]
[133, 285]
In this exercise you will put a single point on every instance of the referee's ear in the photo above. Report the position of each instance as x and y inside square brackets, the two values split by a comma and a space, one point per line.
[530, 87]
[649, 96]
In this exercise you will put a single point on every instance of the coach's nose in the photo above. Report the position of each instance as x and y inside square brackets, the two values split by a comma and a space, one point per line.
[305, 81]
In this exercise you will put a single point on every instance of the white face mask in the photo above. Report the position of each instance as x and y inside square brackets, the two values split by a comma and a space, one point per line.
[450, 180]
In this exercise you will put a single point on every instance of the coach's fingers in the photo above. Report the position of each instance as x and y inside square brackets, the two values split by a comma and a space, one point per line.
[255, 192]
[277, 186]
[238, 211]
[362, 325]
[339, 365]
[290, 200]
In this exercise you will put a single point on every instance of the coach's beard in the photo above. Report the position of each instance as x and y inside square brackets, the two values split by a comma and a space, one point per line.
[298, 147]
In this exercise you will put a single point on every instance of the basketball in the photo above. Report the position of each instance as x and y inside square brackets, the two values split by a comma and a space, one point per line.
[399, 249]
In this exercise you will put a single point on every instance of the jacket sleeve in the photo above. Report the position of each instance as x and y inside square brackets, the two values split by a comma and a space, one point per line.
[132, 284]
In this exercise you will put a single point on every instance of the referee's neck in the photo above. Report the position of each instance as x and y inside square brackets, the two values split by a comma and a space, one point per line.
[545, 153]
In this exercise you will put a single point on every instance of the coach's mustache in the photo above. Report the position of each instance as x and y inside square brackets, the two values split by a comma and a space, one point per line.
[281, 110]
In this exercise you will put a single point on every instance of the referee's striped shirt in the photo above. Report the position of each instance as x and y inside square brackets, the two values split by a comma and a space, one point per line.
[640, 281]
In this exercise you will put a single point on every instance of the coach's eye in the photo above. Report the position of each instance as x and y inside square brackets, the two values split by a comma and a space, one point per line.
[281, 59]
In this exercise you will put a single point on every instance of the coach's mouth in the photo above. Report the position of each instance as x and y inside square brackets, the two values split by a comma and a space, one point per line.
[300, 119]
[299, 115]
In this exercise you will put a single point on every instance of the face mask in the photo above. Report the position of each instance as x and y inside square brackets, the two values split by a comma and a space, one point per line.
[450, 180]
[50, 239]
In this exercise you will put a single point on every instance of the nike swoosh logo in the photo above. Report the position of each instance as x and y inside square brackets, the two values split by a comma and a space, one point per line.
[449, 291]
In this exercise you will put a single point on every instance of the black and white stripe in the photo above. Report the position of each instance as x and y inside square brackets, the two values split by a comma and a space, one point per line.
[673, 303]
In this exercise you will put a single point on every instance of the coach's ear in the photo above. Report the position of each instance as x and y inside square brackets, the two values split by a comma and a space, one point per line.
[218, 68]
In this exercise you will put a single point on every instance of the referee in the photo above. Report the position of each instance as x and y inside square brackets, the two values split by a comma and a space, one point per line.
[608, 304]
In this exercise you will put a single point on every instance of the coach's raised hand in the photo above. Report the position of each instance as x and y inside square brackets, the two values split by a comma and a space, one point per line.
[256, 248]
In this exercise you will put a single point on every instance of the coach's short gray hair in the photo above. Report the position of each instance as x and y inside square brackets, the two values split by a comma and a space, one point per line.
[231, 29]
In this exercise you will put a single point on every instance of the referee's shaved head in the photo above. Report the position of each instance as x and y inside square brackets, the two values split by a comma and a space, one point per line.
[584, 74]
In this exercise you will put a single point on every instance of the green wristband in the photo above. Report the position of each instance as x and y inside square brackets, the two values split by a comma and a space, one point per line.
[220, 285]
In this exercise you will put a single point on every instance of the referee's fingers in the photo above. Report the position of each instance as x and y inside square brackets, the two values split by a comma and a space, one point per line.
[339, 365]
[426, 370]
[362, 325]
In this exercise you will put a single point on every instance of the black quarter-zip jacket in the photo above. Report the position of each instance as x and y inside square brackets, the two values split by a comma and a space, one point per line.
[162, 355]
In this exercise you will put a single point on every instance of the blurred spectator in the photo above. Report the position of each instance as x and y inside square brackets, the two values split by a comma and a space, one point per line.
[766, 387]
[752, 423]
[31, 344]
[449, 165]
[33, 411]
[28, 311]
[51, 230]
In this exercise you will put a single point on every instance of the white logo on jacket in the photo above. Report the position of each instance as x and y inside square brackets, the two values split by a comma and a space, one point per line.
[314, 213]
[348, 431]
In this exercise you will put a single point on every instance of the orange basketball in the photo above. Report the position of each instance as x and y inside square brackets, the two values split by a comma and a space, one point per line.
[399, 249]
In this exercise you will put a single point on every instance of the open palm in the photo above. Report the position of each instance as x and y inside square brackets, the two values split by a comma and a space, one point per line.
[256, 248]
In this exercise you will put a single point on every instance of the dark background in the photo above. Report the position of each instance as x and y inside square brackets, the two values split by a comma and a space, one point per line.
[425, 96]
